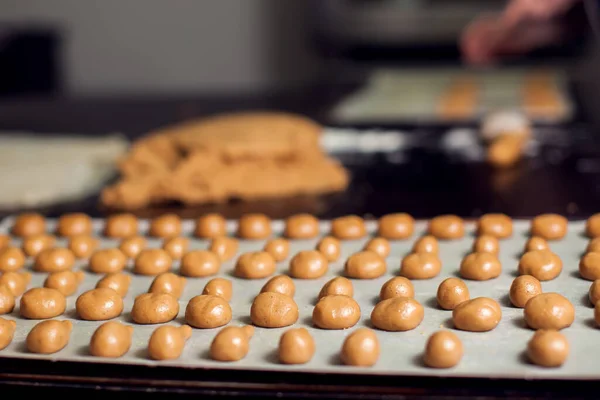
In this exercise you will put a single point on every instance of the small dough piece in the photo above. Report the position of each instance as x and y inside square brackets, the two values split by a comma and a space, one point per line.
[330, 247]
[480, 314]
[296, 346]
[361, 348]
[451, 293]
[506, 150]
[426, 244]
[99, 304]
[165, 226]
[446, 227]
[336, 312]
[549, 311]
[210, 226]
[486, 244]
[17, 282]
[379, 245]
[254, 227]
[29, 224]
[594, 292]
[499, 226]
[42, 303]
[397, 314]
[231, 343]
[589, 266]
[308, 264]
[273, 310]
[420, 266]
[74, 224]
[4, 241]
[282, 284]
[365, 265]
[337, 286]
[397, 226]
[33, 245]
[121, 226]
[117, 281]
[154, 308]
[398, 286]
[522, 289]
[168, 282]
[593, 246]
[207, 311]
[133, 246]
[11, 259]
[549, 226]
[219, 287]
[278, 248]
[255, 265]
[167, 342]
[7, 332]
[480, 267]
[152, 262]
[66, 282]
[200, 263]
[536, 243]
[544, 265]
[592, 226]
[225, 247]
[7, 300]
[83, 246]
[107, 261]
[176, 247]
[112, 339]
[548, 348]
[350, 227]
[54, 260]
[301, 226]
[443, 350]
[48, 337]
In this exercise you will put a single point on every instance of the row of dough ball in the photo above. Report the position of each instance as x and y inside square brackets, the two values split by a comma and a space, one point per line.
[275, 307]
[112, 339]
[422, 263]
[302, 226]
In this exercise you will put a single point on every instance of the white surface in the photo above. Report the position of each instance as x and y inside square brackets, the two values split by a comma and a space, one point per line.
[42, 170]
[492, 354]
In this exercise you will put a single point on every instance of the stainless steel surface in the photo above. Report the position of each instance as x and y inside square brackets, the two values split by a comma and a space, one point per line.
[498, 353]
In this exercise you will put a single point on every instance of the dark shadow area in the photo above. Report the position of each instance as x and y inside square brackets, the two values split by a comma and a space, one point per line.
[272, 357]
[83, 351]
[505, 301]
[417, 361]
[141, 353]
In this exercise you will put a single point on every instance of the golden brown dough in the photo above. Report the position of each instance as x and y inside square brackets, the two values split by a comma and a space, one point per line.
[29, 224]
[11, 259]
[7, 331]
[231, 343]
[443, 350]
[301, 226]
[167, 342]
[296, 346]
[397, 314]
[282, 284]
[111, 339]
[273, 310]
[49, 337]
[396, 226]
[350, 227]
[361, 348]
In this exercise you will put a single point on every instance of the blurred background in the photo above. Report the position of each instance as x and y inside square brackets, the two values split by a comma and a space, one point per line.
[91, 69]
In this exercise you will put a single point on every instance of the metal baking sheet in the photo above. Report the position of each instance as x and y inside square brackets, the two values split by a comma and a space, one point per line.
[497, 354]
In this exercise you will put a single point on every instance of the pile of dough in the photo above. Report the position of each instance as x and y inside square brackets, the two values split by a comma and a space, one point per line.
[241, 155]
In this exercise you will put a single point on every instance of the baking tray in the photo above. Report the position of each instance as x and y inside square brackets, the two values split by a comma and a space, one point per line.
[495, 354]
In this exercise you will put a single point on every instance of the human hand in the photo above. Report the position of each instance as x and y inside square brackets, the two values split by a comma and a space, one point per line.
[523, 26]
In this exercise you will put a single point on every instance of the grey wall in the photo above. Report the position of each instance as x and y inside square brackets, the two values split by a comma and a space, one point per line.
[174, 46]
